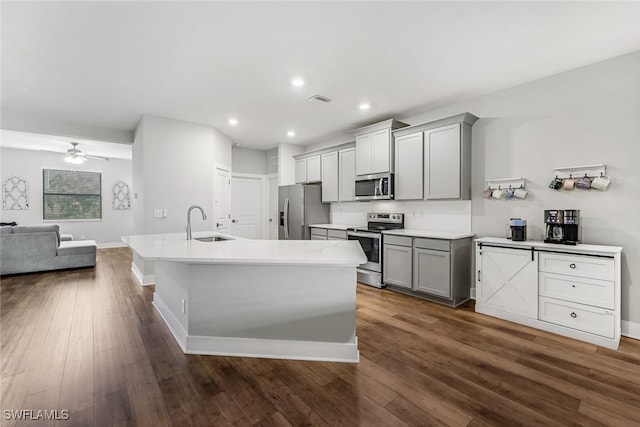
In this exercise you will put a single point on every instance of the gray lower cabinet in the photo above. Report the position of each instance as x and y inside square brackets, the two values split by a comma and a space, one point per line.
[431, 270]
[397, 265]
[435, 269]
[318, 233]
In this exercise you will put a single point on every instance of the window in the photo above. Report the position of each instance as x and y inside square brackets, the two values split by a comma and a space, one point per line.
[71, 195]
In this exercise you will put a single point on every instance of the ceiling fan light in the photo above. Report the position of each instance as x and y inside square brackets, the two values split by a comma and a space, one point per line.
[68, 158]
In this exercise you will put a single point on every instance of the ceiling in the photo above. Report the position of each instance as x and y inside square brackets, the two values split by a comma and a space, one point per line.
[104, 64]
[39, 142]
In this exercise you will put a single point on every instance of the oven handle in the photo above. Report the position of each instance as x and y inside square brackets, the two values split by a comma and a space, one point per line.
[364, 234]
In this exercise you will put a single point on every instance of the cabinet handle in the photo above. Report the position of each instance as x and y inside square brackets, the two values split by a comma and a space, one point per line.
[572, 265]
[479, 276]
[574, 315]
[573, 286]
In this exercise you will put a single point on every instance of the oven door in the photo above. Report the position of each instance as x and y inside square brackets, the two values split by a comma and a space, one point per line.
[372, 247]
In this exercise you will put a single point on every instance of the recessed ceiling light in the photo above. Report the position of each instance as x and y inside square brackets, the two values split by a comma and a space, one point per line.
[233, 122]
[297, 82]
[364, 106]
[291, 133]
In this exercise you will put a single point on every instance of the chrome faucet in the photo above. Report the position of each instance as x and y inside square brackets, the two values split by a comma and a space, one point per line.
[188, 227]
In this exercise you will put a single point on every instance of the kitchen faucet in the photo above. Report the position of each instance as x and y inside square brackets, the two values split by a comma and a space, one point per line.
[188, 227]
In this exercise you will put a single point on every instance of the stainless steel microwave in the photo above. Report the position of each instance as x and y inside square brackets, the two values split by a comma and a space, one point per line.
[378, 186]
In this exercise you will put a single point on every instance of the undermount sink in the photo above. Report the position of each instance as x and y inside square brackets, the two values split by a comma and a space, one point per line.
[211, 239]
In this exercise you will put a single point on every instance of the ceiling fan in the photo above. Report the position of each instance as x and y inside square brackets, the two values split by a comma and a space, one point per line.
[76, 157]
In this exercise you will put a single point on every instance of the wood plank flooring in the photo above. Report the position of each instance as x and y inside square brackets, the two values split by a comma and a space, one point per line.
[90, 342]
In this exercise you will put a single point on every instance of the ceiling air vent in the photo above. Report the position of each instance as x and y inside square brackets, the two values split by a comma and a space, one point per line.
[319, 98]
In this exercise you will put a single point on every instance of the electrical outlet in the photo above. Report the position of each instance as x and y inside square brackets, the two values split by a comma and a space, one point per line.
[83, 236]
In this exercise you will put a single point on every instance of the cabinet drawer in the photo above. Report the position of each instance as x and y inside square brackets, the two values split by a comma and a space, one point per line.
[397, 240]
[599, 293]
[576, 265]
[435, 244]
[337, 234]
[584, 318]
[318, 231]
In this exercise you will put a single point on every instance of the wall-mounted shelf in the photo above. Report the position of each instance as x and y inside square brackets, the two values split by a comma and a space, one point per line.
[580, 171]
[505, 183]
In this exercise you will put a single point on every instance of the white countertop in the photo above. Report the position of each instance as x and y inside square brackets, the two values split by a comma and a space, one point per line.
[553, 247]
[446, 235]
[334, 226]
[175, 247]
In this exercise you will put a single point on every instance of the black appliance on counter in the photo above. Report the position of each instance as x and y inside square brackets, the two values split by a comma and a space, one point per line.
[370, 273]
[562, 226]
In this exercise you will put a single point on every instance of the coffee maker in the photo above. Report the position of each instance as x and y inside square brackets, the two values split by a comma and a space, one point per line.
[562, 226]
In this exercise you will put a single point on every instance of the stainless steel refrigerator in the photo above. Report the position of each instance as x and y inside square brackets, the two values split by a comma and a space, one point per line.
[300, 205]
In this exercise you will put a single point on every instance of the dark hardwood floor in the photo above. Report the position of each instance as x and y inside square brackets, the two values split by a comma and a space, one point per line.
[89, 342]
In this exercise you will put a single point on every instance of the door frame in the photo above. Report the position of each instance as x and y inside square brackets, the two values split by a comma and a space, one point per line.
[266, 198]
[226, 168]
[263, 200]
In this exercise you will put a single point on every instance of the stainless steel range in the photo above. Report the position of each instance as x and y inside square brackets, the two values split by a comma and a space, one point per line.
[370, 273]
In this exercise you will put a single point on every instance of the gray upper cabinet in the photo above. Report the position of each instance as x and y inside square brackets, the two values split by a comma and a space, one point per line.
[314, 173]
[442, 163]
[347, 175]
[374, 147]
[308, 169]
[330, 181]
[301, 171]
[445, 168]
[408, 175]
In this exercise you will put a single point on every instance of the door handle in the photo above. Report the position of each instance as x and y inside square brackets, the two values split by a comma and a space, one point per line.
[218, 224]
[270, 219]
[286, 218]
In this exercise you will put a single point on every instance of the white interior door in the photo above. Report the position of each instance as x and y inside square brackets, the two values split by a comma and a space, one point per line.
[272, 209]
[246, 206]
[221, 200]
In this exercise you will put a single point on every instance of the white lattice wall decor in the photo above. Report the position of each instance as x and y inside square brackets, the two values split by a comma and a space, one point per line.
[15, 193]
[121, 197]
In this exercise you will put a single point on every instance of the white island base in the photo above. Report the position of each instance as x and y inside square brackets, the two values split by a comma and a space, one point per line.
[304, 312]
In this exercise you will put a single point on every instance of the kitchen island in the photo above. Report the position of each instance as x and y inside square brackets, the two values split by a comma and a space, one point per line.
[285, 299]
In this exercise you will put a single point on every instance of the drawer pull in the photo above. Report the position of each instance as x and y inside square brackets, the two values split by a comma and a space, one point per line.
[574, 315]
[573, 286]
[572, 265]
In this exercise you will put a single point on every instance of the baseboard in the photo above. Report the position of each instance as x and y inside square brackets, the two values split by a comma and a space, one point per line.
[112, 245]
[274, 349]
[630, 329]
[147, 280]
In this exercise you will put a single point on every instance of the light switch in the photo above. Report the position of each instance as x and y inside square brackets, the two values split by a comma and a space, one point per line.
[157, 213]
[164, 213]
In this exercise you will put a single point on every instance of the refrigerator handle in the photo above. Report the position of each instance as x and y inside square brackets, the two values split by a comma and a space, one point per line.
[286, 218]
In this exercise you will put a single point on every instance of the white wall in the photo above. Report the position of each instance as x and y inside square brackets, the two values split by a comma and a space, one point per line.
[247, 160]
[586, 116]
[272, 161]
[287, 164]
[28, 164]
[176, 160]
[420, 215]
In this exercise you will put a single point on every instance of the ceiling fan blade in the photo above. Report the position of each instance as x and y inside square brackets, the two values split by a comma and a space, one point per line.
[88, 156]
[51, 151]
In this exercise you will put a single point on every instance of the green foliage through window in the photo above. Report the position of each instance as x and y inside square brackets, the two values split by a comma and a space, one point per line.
[71, 195]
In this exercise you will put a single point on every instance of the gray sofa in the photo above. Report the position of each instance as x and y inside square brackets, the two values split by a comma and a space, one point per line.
[31, 248]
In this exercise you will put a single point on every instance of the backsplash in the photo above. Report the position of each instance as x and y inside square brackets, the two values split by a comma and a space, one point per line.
[419, 215]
